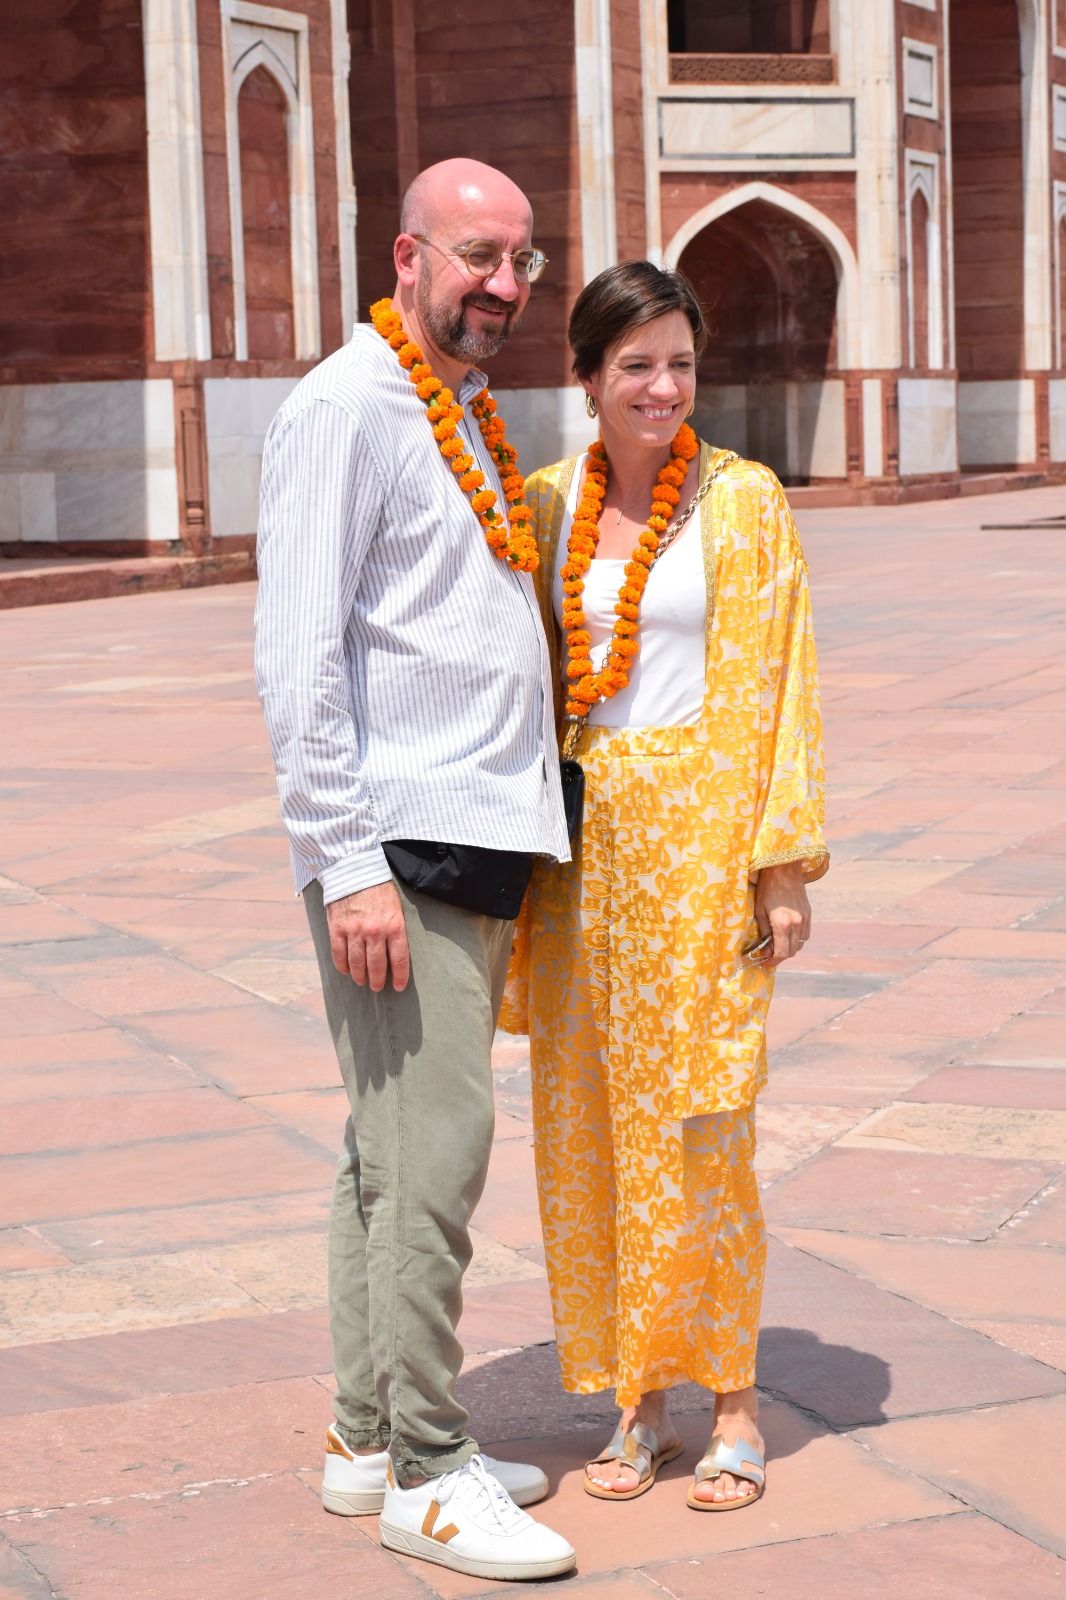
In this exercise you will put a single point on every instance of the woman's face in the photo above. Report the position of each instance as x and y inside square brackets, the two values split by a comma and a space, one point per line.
[645, 388]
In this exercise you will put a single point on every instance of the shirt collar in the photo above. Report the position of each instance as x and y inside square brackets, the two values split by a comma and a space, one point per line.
[471, 385]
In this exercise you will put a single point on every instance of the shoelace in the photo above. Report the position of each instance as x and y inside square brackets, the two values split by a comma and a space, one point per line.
[474, 1484]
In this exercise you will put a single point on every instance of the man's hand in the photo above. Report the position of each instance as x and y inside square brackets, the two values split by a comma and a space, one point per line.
[367, 936]
[782, 908]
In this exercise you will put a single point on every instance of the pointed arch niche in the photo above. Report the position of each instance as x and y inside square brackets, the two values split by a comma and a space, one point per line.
[779, 280]
[269, 47]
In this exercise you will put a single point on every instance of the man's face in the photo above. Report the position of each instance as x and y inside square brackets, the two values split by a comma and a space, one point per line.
[466, 316]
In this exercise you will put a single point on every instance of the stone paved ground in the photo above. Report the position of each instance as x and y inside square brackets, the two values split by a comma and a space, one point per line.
[170, 1109]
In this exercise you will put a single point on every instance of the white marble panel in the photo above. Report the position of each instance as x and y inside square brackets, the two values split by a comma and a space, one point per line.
[1057, 417]
[721, 416]
[10, 507]
[37, 507]
[545, 425]
[817, 441]
[752, 128]
[928, 436]
[68, 417]
[237, 414]
[873, 448]
[997, 423]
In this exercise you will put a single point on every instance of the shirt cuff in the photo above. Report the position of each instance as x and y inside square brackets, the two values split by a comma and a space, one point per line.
[362, 871]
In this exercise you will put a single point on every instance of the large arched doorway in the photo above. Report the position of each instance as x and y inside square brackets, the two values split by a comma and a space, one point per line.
[767, 383]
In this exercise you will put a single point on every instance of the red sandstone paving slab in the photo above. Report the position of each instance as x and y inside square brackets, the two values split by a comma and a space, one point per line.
[964, 909]
[947, 844]
[1001, 944]
[243, 1431]
[136, 984]
[44, 1014]
[18, 1580]
[266, 1538]
[1043, 1221]
[96, 1046]
[507, 1315]
[907, 1194]
[1054, 1002]
[99, 1120]
[868, 1070]
[113, 1235]
[143, 1073]
[870, 941]
[156, 1172]
[964, 1281]
[1052, 919]
[22, 1247]
[1014, 872]
[255, 1048]
[790, 1018]
[1036, 1040]
[115, 1367]
[821, 1484]
[929, 1560]
[965, 998]
[1005, 1461]
[319, 1113]
[1027, 1088]
[508, 1209]
[852, 1353]
[1043, 1341]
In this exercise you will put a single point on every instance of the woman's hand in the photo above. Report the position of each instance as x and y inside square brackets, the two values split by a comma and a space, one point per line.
[782, 909]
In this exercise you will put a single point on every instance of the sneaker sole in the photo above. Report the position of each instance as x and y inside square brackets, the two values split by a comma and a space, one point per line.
[353, 1502]
[405, 1542]
[370, 1502]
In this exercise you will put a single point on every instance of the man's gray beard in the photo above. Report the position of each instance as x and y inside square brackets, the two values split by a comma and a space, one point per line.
[451, 332]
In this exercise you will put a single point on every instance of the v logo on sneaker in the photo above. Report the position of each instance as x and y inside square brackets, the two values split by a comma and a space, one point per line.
[442, 1535]
[335, 1446]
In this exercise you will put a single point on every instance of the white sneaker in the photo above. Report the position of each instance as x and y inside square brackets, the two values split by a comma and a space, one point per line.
[354, 1486]
[466, 1520]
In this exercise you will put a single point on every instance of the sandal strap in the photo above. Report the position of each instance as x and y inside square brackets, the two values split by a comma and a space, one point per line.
[740, 1459]
[628, 1446]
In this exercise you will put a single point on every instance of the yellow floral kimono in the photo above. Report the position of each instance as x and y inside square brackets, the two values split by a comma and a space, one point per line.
[647, 1032]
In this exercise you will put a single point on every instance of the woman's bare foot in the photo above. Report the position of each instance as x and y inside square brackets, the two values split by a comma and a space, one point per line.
[736, 1416]
[652, 1411]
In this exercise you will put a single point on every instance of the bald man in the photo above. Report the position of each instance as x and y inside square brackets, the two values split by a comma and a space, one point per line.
[406, 687]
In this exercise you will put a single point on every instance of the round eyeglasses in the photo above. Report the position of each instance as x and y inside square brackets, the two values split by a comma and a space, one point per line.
[482, 258]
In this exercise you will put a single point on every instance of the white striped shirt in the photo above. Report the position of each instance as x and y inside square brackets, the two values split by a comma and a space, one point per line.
[401, 665]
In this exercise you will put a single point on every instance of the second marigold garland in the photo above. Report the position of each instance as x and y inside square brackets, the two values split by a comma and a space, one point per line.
[510, 537]
[586, 685]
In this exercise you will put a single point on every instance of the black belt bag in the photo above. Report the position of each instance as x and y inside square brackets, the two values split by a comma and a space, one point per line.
[490, 882]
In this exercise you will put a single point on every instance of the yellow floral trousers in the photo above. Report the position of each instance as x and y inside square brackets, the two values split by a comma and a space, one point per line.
[653, 1233]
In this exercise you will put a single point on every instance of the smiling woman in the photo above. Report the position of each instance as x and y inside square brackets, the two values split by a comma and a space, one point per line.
[643, 969]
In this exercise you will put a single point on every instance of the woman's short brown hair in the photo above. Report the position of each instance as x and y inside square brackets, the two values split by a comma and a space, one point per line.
[624, 297]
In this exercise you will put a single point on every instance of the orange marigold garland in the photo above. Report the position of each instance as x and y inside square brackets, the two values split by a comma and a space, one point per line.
[511, 537]
[586, 685]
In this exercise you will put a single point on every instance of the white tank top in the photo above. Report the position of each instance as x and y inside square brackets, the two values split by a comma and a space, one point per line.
[667, 681]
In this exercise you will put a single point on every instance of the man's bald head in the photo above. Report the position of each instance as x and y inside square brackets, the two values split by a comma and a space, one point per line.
[466, 316]
[460, 189]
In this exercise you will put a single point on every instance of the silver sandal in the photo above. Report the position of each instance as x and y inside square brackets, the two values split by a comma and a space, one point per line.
[638, 1447]
[740, 1459]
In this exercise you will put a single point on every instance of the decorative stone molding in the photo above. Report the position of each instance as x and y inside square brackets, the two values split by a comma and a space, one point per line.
[180, 312]
[266, 36]
[752, 69]
[921, 97]
[595, 135]
[923, 177]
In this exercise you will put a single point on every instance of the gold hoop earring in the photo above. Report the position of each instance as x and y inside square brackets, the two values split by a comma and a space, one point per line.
[590, 405]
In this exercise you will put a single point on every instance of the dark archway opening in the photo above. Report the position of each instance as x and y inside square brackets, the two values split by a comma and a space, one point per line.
[769, 287]
[742, 27]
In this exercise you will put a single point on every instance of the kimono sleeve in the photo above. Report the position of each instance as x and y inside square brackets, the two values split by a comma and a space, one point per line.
[791, 811]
